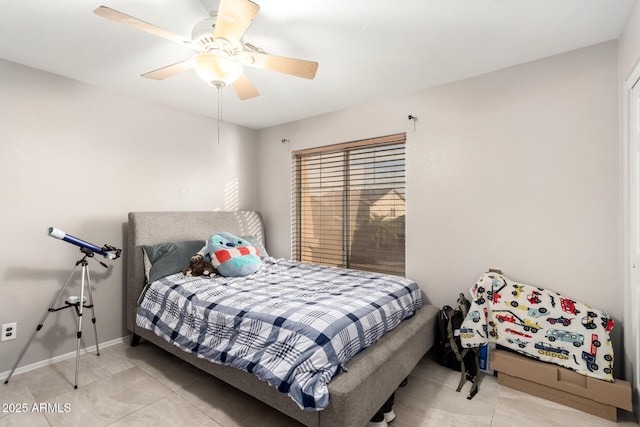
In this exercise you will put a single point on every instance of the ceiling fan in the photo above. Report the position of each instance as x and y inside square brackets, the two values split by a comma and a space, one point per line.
[221, 52]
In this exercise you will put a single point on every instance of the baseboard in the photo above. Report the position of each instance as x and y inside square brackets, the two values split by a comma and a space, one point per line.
[56, 359]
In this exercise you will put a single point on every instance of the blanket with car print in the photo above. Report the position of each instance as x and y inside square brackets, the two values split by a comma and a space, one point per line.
[541, 324]
[294, 325]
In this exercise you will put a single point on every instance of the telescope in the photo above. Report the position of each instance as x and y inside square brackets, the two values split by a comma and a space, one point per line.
[77, 302]
[106, 251]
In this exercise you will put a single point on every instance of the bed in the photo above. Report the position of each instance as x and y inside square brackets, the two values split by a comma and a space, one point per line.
[354, 394]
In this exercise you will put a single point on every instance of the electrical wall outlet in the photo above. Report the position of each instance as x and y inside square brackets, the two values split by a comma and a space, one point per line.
[9, 331]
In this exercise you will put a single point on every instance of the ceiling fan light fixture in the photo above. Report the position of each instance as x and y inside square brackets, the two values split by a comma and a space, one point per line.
[218, 71]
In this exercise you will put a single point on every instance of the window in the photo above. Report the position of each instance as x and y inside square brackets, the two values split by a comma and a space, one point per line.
[349, 205]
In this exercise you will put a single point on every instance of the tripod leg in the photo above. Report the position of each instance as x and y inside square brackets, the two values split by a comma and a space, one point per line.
[93, 313]
[79, 312]
[44, 318]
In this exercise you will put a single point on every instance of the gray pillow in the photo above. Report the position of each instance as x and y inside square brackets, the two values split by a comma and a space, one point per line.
[169, 257]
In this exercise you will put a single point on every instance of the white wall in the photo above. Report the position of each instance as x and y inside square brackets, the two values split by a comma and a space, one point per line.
[628, 59]
[80, 158]
[516, 169]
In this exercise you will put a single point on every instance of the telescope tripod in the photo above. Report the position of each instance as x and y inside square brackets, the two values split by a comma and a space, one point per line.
[78, 303]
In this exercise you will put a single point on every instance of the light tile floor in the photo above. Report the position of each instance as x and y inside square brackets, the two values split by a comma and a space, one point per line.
[145, 386]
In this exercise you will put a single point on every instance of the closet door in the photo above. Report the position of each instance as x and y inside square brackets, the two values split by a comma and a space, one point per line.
[634, 216]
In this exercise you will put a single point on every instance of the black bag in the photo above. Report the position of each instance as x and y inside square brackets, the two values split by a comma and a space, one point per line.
[449, 351]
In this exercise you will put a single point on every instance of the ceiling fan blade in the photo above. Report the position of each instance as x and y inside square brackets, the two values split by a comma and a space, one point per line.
[281, 64]
[234, 17]
[169, 70]
[125, 19]
[244, 88]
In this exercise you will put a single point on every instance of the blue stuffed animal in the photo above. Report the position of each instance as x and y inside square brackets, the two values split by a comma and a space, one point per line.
[231, 255]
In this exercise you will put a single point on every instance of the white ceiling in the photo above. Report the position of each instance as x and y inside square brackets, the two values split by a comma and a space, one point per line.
[367, 49]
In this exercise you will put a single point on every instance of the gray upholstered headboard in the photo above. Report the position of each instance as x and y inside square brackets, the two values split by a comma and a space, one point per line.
[150, 228]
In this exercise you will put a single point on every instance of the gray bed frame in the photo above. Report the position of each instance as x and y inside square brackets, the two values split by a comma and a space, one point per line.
[354, 396]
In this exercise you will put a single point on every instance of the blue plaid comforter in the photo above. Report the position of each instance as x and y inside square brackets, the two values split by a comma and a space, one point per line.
[294, 325]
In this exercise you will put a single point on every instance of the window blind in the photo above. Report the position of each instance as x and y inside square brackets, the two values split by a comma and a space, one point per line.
[349, 205]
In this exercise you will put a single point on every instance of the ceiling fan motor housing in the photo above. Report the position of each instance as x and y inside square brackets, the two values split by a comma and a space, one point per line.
[202, 32]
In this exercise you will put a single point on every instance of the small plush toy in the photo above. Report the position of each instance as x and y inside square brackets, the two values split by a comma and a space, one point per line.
[198, 266]
[231, 255]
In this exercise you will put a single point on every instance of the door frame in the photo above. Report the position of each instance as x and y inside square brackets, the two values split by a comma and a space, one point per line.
[631, 198]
